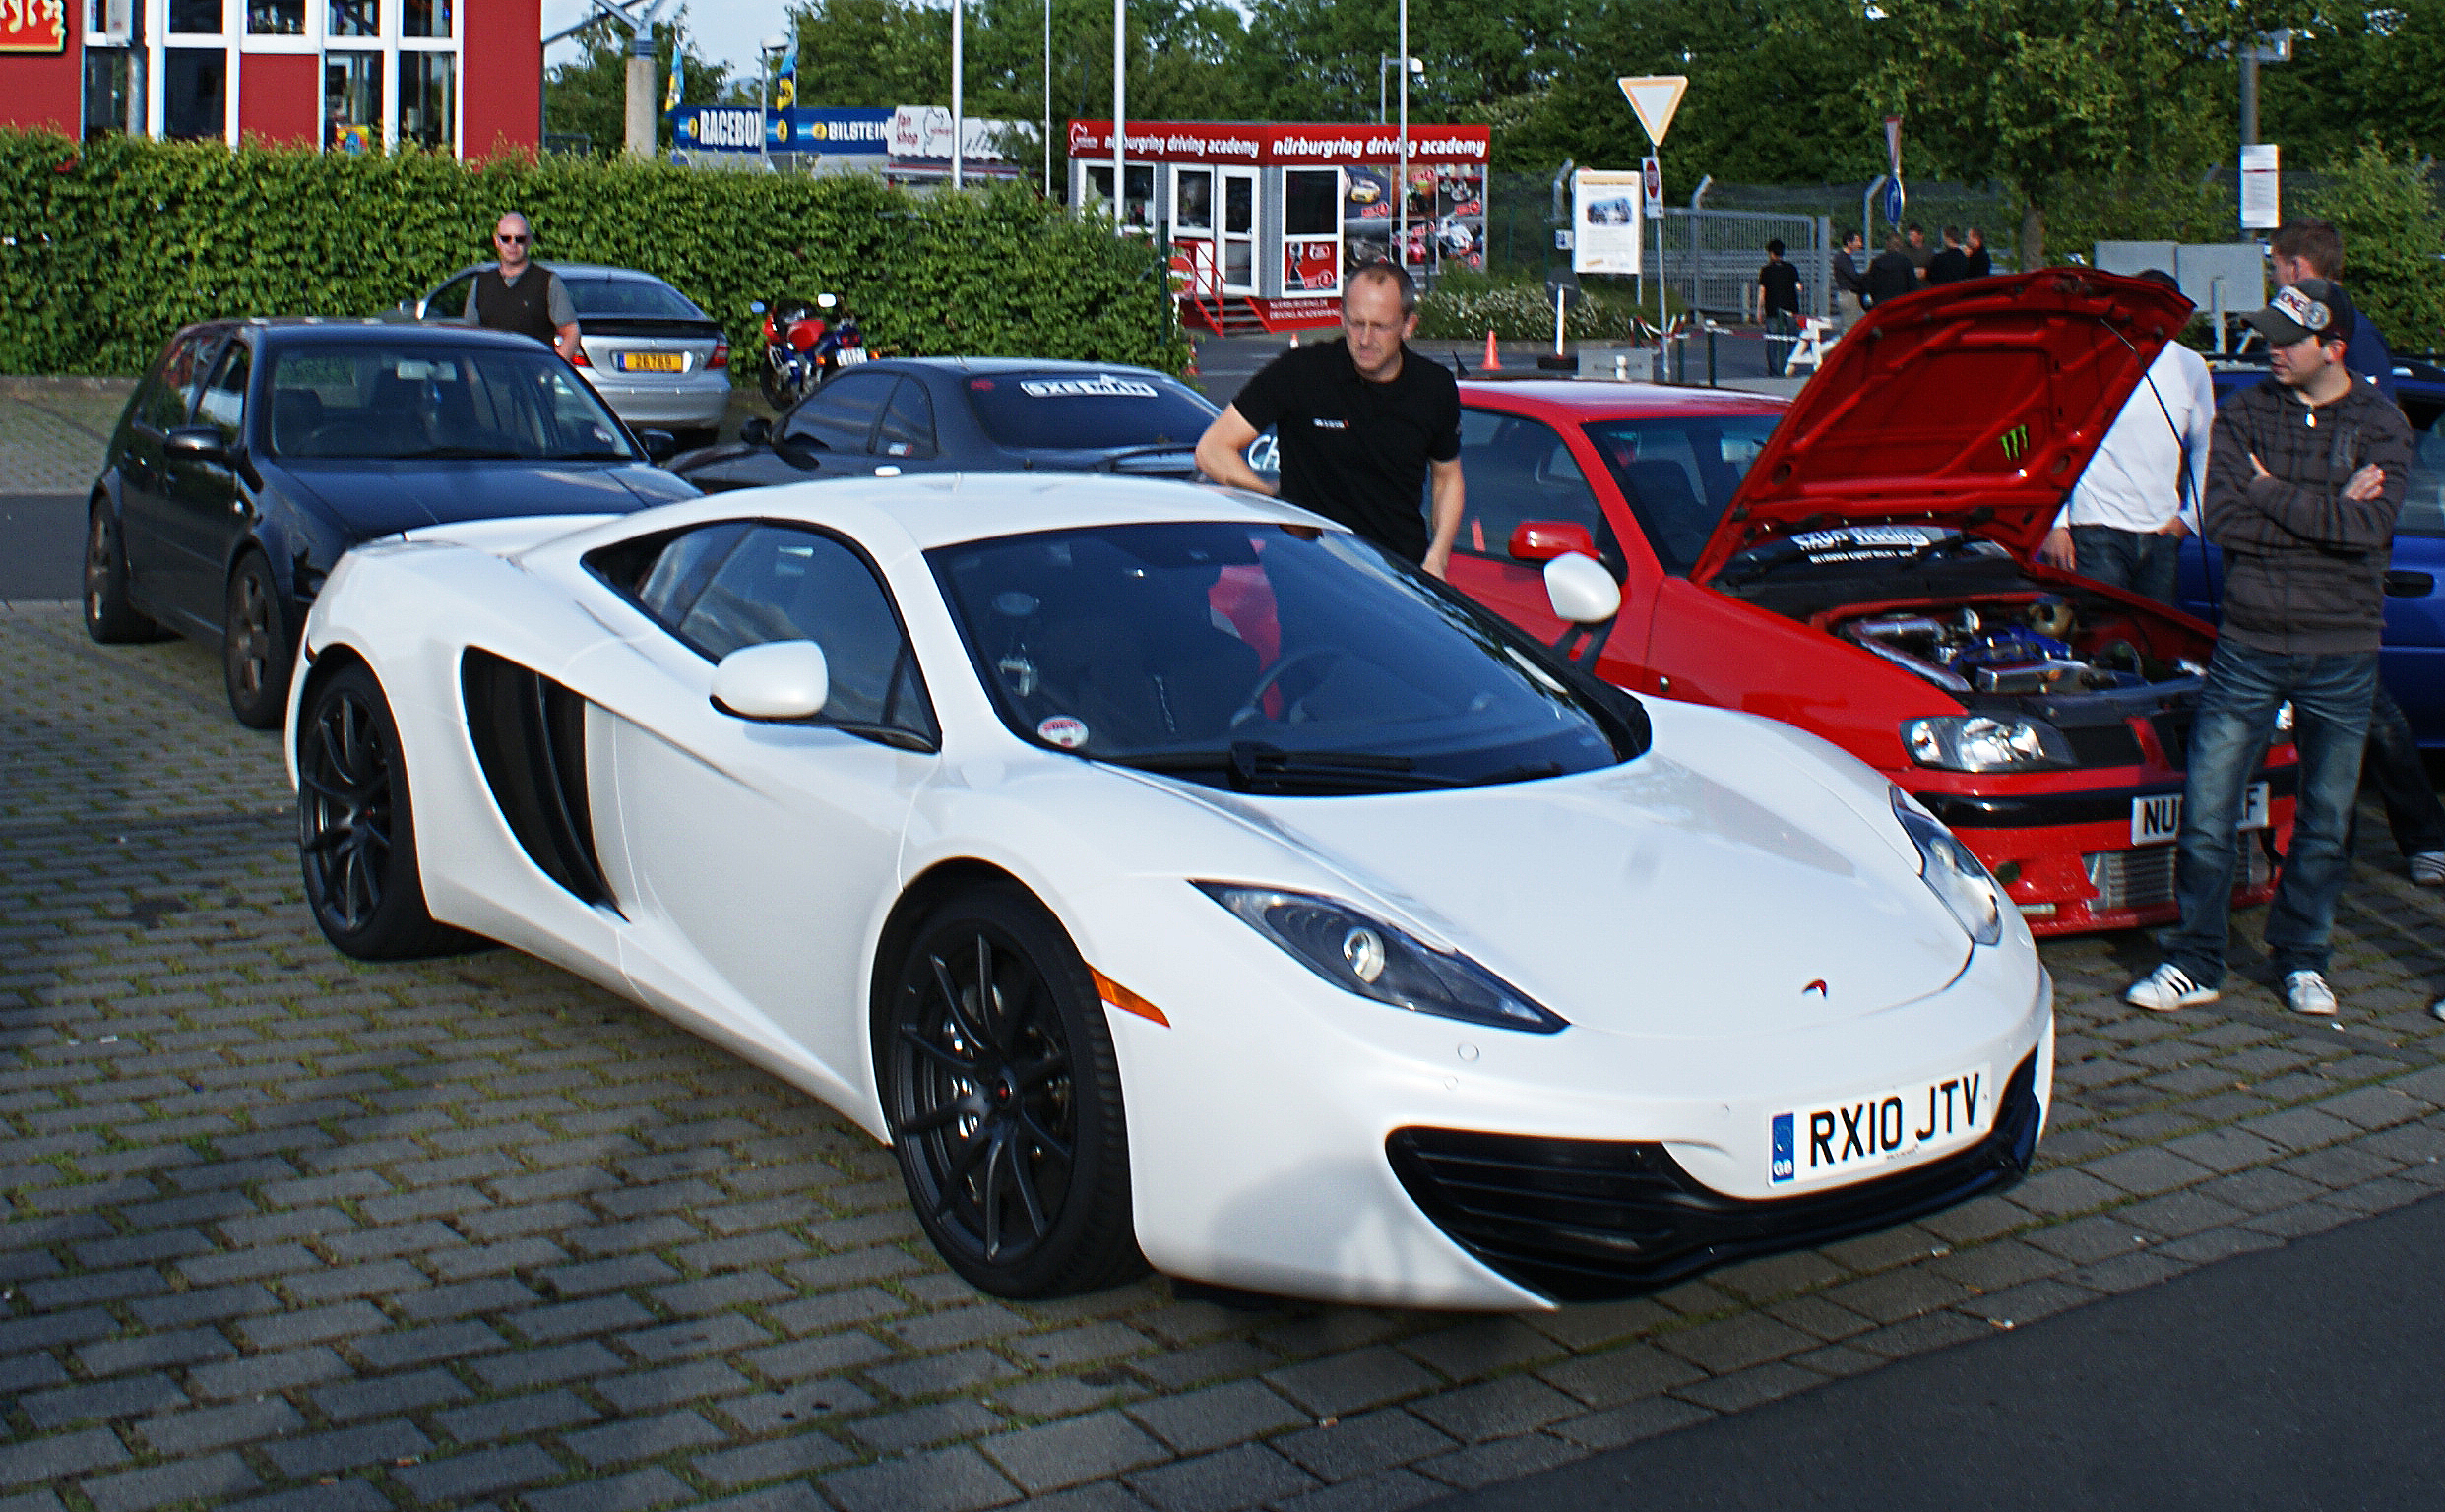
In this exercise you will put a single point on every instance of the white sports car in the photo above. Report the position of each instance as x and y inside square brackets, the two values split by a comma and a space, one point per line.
[1174, 879]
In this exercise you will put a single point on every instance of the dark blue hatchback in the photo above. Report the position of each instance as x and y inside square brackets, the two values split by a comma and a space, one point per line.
[2414, 660]
[256, 452]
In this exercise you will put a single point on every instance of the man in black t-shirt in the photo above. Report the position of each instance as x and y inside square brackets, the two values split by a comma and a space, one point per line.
[1974, 249]
[1360, 423]
[1952, 265]
[1891, 276]
[1778, 302]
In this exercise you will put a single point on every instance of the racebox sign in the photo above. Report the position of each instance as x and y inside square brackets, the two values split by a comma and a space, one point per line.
[33, 26]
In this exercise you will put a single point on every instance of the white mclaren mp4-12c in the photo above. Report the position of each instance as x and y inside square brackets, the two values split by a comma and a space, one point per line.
[1171, 878]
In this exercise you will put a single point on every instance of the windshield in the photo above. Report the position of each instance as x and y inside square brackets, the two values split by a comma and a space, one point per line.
[1263, 658]
[1088, 411]
[630, 296]
[1678, 475]
[380, 401]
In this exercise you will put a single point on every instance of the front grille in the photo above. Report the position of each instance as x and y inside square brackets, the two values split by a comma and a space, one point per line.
[2103, 745]
[1581, 1219]
[2144, 878]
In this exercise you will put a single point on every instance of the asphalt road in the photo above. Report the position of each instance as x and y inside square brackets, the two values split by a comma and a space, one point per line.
[2310, 1377]
[42, 540]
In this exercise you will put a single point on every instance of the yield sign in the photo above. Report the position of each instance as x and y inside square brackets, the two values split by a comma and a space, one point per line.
[1655, 98]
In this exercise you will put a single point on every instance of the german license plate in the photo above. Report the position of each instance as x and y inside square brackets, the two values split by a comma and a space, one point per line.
[2158, 820]
[651, 362]
[1845, 1140]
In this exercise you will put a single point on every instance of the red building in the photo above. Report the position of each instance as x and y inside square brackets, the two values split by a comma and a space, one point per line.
[464, 77]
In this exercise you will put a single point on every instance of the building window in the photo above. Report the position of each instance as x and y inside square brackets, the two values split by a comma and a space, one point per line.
[425, 17]
[106, 79]
[276, 18]
[428, 104]
[195, 85]
[353, 101]
[355, 18]
[195, 18]
[108, 21]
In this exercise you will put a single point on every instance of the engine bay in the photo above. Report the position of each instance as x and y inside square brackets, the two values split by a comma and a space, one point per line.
[2034, 643]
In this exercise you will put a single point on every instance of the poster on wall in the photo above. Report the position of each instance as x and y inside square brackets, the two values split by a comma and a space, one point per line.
[1307, 265]
[1604, 221]
[33, 26]
[1447, 215]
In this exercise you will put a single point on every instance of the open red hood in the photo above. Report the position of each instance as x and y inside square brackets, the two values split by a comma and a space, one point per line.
[1974, 405]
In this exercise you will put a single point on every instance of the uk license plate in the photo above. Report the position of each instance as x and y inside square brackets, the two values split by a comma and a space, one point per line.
[2156, 819]
[653, 363]
[1852, 1139]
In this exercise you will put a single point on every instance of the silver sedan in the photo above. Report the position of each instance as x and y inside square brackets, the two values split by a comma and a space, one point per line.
[655, 359]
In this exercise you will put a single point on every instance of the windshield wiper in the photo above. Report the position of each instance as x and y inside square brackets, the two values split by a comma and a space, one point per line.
[1251, 763]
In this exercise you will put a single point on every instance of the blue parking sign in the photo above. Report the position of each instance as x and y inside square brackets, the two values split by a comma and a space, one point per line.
[1894, 200]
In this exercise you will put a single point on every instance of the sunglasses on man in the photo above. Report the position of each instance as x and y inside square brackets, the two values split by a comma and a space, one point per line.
[516, 241]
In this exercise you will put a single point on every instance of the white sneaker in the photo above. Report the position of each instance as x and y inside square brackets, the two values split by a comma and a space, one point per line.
[2166, 988]
[2309, 993]
[2428, 868]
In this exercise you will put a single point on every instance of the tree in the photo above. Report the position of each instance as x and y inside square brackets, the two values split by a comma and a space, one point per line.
[2043, 96]
[588, 96]
[2393, 235]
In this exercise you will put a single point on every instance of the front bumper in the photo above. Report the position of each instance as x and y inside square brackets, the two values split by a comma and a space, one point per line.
[1584, 1220]
[2066, 857]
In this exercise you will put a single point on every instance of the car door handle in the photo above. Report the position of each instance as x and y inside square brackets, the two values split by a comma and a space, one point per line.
[2409, 585]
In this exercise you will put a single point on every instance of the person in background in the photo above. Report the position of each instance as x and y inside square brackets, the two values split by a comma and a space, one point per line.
[2304, 479]
[1849, 283]
[1951, 265]
[2139, 495]
[1892, 275]
[523, 295]
[1980, 265]
[1363, 424]
[1777, 301]
[1917, 249]
[2314, 249]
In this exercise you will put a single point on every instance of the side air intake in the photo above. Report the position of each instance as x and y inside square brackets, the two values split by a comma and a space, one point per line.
[529, 734]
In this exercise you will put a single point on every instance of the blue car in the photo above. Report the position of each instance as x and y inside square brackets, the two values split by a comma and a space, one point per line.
[2414, 660]
[256, 452]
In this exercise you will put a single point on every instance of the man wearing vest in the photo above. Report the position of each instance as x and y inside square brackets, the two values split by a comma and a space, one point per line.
[523, 295]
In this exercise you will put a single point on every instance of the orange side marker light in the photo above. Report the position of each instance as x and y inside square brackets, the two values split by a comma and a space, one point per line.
[1115, 996]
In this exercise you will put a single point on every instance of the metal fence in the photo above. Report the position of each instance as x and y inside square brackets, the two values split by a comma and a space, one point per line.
[1710, 258]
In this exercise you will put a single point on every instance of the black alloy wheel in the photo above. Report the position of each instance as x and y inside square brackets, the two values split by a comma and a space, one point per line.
[110, 617]
[356, 838]
[255, 653]
[1004, 1101]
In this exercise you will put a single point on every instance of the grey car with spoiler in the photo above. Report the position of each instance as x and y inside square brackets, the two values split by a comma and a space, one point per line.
[651, 355]
[968, 414]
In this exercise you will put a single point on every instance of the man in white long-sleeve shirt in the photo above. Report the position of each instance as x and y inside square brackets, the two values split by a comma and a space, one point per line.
[2139, 495]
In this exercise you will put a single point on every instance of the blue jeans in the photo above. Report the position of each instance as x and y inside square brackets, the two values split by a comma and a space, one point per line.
[2146, 564]
[2228, 739]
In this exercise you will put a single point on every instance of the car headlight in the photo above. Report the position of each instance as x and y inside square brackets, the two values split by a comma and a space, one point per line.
[1980, 743]
[1951, 872]
[1364, 955]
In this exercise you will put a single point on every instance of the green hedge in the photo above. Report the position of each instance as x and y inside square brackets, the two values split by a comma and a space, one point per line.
[107, 247]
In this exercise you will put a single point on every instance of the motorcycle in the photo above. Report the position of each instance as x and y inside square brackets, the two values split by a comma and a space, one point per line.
[805, 343]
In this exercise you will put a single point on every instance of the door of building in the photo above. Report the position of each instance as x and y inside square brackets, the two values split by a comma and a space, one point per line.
[1239, 238]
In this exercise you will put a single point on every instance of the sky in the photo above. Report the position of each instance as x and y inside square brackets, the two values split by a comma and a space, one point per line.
[726, 30]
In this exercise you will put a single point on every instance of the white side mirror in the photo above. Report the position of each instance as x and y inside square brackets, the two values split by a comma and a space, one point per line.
[778, 680]
[1580, 590]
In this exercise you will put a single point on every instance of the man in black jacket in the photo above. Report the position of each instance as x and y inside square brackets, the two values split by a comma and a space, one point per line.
[2304, 479]
[521, 295]
[1893, 273]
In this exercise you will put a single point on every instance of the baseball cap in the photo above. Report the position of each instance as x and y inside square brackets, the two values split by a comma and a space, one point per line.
[2311, 307]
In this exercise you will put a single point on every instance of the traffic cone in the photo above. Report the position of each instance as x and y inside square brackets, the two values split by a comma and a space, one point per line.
[1493, 359]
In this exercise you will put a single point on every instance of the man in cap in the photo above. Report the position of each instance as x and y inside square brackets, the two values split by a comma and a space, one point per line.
[2305, 479]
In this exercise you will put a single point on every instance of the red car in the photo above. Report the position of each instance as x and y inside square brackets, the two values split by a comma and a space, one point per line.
[1860, 562]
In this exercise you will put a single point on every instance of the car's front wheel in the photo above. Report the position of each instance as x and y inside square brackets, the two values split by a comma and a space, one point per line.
[356, 830]
[255, 653]
[1004, 1101]
[109, 616]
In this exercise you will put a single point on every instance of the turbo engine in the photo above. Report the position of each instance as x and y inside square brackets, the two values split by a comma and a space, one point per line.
[2003, 649]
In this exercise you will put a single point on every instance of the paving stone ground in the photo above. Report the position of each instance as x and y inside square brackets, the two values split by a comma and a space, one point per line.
[54, 431]
[287, 1233]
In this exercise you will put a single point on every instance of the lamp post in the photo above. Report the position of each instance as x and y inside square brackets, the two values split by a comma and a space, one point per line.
[1120, 110]
[959, 136]
[1400, 234]
[1048, 98]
